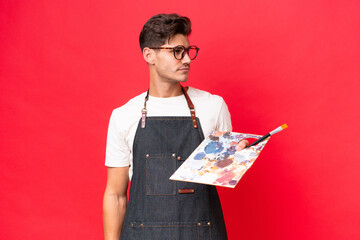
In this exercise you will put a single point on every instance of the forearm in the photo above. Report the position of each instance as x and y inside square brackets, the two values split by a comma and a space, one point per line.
[114, 208]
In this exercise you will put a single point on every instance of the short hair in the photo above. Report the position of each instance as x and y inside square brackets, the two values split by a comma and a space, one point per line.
[161, 28]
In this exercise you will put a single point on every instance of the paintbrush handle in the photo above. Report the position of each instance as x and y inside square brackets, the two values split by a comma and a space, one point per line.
[282, 127]
[259, 140]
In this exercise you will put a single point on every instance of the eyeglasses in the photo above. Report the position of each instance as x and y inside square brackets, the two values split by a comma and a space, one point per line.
[179, 51]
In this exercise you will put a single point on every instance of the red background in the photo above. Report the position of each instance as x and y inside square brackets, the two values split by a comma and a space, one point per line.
[66, 64]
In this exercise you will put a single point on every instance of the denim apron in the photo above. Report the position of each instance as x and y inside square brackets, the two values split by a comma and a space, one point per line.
[162, 209]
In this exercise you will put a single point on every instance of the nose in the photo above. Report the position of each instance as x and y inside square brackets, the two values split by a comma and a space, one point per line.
[186, 59]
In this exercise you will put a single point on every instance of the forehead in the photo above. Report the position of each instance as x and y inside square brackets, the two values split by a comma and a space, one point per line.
[178, 39]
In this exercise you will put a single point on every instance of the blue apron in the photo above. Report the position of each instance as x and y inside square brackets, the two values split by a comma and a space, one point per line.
[162, 209]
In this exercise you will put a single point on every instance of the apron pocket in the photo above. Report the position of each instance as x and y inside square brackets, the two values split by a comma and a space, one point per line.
[172, 230]
[159, 168]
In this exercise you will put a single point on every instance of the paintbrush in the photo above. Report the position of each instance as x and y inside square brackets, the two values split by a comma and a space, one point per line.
[282, 127]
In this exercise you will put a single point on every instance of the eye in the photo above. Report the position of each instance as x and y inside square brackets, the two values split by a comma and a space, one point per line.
[178, 50]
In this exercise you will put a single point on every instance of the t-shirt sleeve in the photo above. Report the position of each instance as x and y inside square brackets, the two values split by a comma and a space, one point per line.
[224, 118]
[117, 150]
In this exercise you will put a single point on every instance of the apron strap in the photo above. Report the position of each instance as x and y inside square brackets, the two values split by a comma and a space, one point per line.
[144, 111]
[189, 103]
[191, 107]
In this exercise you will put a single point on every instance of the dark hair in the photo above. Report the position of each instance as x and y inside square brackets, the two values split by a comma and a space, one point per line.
[160, 28]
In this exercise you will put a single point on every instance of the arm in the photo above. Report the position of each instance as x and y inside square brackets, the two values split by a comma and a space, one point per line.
[224, 124]
[115, 201]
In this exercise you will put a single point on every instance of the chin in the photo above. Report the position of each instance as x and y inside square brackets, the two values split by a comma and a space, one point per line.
[178, 80]
[183, 79]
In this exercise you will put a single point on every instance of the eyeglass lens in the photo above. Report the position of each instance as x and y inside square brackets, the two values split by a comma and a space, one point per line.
[179, 52]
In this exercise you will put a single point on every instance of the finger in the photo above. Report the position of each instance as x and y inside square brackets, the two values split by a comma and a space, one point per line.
[242, 144]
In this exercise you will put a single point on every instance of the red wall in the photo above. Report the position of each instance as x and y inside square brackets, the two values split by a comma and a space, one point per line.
[66, 64]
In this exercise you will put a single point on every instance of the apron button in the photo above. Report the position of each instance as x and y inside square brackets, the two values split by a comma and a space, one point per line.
[199, 224]
[174, 154]
[209, 223]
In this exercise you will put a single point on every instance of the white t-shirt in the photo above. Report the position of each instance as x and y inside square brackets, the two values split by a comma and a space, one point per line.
[211, 110]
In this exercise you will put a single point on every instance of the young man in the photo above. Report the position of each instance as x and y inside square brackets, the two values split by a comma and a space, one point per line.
[149, 138]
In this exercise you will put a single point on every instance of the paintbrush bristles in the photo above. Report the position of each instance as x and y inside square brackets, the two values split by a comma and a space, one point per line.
[282, 127]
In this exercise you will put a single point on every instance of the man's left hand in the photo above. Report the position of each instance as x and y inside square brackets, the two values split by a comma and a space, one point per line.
[242, 144]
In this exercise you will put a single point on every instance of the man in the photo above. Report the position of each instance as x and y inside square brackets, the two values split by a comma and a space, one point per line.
[150, 136]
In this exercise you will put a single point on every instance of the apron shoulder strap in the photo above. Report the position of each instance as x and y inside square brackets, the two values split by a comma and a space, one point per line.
[189, 103]
[191, 106]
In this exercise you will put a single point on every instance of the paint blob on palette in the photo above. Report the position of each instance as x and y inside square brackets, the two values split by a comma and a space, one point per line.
[217, 162]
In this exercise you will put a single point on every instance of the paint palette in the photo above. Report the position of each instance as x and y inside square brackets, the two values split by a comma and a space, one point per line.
[217, 162]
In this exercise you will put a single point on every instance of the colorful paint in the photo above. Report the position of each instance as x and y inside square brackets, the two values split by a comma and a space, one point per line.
[217, 162]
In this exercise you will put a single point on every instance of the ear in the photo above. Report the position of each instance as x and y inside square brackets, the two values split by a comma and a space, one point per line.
[149, 55]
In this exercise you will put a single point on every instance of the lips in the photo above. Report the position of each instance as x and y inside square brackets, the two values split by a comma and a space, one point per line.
[184, 69]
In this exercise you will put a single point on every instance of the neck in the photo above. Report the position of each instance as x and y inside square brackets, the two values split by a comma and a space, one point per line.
[165, 90]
